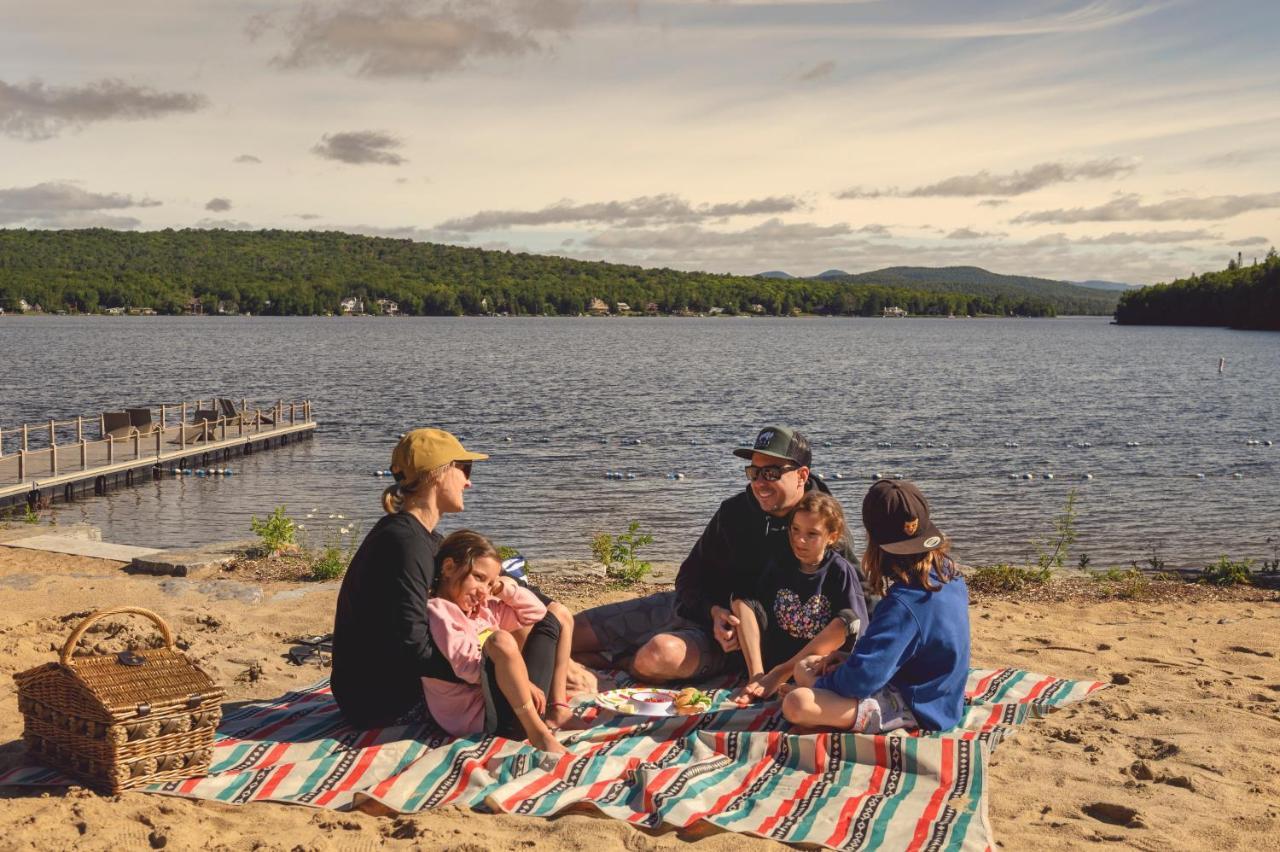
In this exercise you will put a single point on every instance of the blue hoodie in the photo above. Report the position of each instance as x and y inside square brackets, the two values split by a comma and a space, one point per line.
[917, 642]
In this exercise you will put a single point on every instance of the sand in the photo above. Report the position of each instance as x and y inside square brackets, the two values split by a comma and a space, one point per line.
[1179, 754]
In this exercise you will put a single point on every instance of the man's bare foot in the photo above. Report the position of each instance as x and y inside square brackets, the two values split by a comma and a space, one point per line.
[581, 680]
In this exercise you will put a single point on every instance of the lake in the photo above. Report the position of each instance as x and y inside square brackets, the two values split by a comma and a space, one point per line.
[959, 406]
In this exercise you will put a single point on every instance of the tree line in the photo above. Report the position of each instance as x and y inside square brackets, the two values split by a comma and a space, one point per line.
[278, 272]
[1246, 297]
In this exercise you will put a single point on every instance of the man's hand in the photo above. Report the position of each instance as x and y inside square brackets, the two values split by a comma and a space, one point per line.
[725, 628]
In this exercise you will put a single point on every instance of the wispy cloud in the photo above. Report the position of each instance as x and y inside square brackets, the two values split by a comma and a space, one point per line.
[399, 38]
[1013, 183]
[634, 212]
[970, 234]
[36, 111]
[218, 205]
[225, 225]
[360, 147]
[773, 232]
[819, 71]
[1131, 208]
[247, 159]
[65, 205]
[1122, 238]
[1246, 242]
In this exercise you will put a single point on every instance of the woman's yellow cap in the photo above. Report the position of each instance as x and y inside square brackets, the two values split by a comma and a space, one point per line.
[424, 450]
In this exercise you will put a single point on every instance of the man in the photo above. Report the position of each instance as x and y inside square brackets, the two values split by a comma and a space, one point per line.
[690, 634]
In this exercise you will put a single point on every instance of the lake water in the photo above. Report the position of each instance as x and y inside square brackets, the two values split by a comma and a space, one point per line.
[559, 402]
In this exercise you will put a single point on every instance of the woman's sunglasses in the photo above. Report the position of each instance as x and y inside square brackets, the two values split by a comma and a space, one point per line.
[465, 467]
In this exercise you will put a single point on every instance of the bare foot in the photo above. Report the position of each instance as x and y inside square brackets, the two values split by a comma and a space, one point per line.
[559, 715]
[545, 741]
[581, 680]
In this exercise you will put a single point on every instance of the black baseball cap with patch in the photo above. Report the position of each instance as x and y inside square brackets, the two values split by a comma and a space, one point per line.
[781, 442]
[896, 516]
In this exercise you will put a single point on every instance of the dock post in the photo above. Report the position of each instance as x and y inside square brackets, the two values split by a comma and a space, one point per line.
[22, 465]
[159, 436]
[53, 449]
[24, 437]
[84, 454]
[292, 414]
[279, 418]
[79, 427]
[137, 444]
[222, 428]
[111, 450]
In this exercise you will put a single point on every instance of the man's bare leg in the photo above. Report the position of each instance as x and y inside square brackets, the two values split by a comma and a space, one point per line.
[666, 657]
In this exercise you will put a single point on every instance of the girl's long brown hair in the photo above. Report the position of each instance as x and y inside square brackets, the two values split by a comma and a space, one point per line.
[881, 567]
[461, 548]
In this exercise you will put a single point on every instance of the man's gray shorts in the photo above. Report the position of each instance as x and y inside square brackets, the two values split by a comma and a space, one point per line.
[624, 626]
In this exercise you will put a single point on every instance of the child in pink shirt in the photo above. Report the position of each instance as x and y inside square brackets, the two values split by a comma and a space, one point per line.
[472, 614]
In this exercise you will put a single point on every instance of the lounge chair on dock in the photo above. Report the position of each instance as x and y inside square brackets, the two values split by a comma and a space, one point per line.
[117, 425]
[140, 419]
[247, 416]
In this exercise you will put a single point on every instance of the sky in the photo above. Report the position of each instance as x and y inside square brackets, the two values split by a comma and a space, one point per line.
[1123, 140]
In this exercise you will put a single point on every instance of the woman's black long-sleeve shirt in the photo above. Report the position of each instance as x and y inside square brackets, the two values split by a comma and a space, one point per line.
[381, 642]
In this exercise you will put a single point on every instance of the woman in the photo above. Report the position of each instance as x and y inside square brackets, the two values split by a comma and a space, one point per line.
[382, 645]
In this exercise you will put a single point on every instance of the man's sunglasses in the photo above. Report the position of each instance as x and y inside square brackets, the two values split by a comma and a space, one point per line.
[770, 473]
[465, 467]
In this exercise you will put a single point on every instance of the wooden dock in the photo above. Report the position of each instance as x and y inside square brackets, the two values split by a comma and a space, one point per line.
[70, 459]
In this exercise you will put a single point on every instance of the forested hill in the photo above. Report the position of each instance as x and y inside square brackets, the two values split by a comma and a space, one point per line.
[311, 272]
[1238, 296]
[1066, 297]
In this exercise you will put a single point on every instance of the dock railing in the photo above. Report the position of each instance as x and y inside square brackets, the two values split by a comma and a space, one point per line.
[62, 446]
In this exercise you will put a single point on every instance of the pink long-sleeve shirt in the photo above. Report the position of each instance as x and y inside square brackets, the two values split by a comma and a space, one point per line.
[459, 707]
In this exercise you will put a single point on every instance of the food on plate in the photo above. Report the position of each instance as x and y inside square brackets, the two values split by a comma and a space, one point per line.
[690, 700]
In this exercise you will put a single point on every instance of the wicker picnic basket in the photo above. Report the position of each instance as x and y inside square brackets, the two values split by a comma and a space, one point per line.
[122, 720]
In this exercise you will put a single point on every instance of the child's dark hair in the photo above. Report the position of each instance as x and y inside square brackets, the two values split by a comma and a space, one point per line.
[462, 548]
[825, 507]
[880, 566]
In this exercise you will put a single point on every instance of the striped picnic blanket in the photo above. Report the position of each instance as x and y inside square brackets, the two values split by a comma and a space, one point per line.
[737, 768]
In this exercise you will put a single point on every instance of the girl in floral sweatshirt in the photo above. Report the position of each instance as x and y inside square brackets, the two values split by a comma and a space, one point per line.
[475, 614]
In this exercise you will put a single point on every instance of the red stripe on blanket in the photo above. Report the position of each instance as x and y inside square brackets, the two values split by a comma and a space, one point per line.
[983, 684]
[1037, 689]
[464, 778]
[771, 749]
[657, 785]
[875, 786]
[367, 753]
[946, 776]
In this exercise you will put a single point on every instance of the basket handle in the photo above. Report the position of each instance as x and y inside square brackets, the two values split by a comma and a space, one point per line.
[69, 646]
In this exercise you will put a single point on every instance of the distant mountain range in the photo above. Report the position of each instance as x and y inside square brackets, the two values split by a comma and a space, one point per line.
[1091, 297]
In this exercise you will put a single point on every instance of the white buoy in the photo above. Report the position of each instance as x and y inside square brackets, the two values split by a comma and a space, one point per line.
[507, 439]
[1027, 476]
[1237, 475]
[1199, 476]
[679, 475]
[899, 476]
[877, 476]
[1013, 476]
[1222, 364]
[1087, 476]
[820, 476]
[631, 476]
[1266, 443]
[1048, 476]
[839, 476]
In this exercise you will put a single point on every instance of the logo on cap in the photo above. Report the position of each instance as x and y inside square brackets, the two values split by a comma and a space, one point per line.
[911, 526]
[764, 438]
[931, 542]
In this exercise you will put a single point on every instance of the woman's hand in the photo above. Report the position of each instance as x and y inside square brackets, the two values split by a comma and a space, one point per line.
[832, 661]
[808, 670]
[539, 698]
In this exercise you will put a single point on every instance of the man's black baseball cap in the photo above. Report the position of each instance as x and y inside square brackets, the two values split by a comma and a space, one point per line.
[781, 442]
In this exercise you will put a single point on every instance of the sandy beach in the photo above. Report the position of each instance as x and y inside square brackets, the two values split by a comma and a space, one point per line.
[1179, 753]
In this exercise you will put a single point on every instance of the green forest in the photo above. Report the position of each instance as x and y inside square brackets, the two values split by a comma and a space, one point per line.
[310, 272]
[1246, 297]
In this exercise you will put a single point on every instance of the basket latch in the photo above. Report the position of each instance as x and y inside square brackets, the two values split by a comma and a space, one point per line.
[194, 700]
[129, 658]
[144, 709]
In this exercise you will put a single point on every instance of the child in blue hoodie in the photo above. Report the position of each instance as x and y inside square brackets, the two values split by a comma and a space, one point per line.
[909, 668]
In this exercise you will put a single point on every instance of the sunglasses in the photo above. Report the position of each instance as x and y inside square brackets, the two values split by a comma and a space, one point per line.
[465, 467]
[770, 473]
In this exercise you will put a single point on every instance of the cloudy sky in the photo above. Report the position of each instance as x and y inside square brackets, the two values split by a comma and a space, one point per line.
[1129, 140]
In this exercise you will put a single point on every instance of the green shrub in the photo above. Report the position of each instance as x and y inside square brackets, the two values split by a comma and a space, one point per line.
[1224, 572]
[620, 554]
[1006, 578]
[275, 532]
[505, 553]
[335, 555]
[31, 516]
[1052, 551]
[1127, 583]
